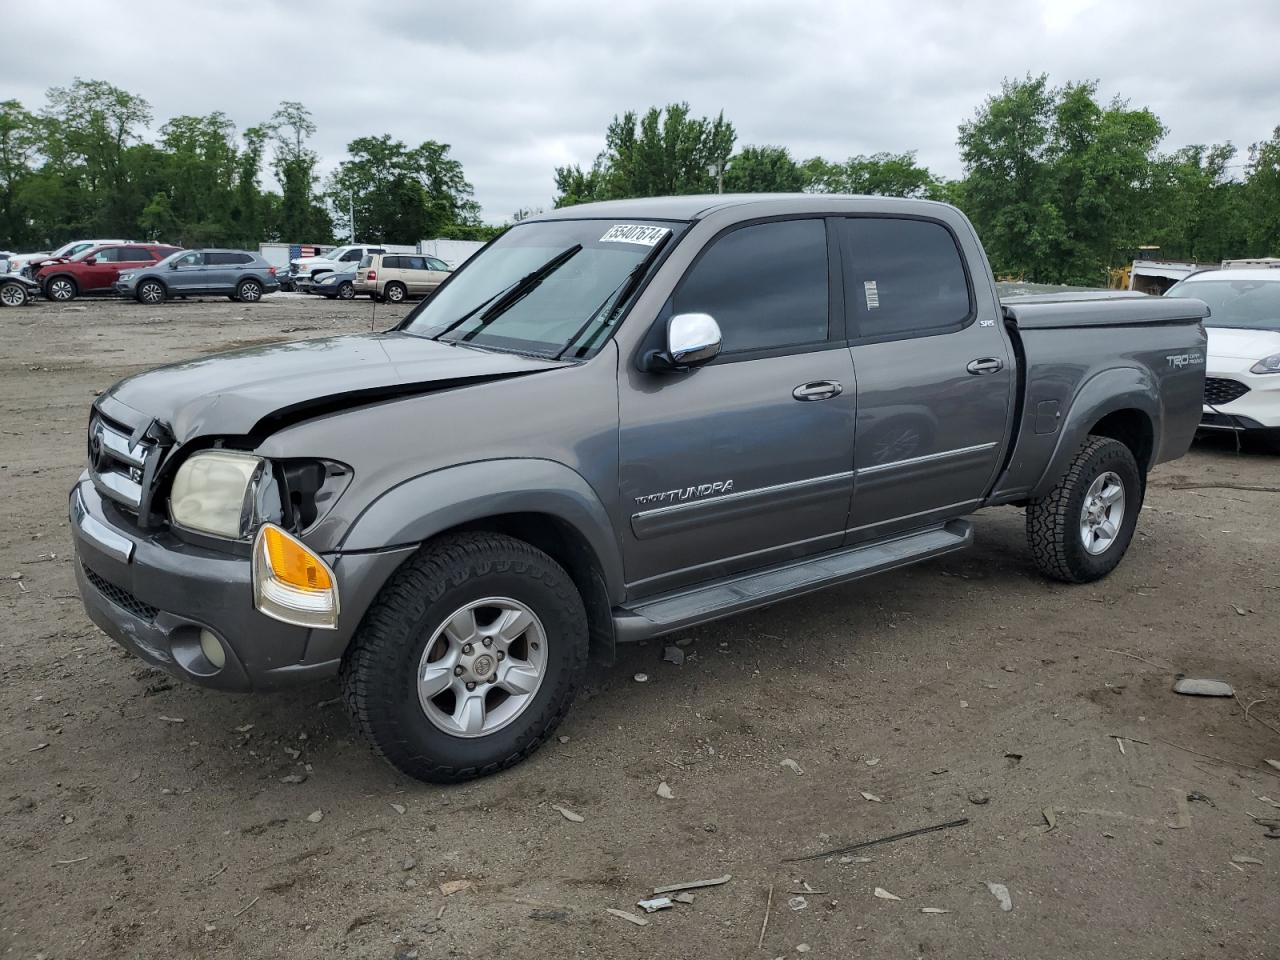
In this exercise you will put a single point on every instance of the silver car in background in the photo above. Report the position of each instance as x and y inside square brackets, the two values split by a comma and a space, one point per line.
[237, 274]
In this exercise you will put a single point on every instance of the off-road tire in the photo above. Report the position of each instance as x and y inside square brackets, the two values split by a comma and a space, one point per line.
[379, 672]
[251, 287]
[1053, 521]
[395, 292]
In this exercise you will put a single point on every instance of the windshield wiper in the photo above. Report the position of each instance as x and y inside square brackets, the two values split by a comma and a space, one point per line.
[503, 301]
[617, 296]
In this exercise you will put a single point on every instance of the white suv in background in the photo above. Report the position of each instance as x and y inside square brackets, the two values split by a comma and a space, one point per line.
[1242, 369]
[306, 270]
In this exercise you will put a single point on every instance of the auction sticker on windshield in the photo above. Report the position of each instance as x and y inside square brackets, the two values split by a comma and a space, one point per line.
[634, 233]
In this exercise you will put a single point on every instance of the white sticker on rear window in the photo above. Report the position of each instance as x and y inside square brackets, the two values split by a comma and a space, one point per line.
[634, 233]
[872, 293]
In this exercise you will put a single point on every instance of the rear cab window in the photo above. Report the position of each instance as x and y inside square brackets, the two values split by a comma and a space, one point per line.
[903, 278]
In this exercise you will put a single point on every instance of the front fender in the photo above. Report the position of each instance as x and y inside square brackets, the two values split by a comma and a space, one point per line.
[1119, 388]
[418, 509]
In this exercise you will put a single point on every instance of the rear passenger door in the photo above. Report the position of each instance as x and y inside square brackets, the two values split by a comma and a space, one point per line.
[935, 378]
[745, 461]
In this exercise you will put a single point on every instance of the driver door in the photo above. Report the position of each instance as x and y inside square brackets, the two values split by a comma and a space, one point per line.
[186, 273]
[746, 461]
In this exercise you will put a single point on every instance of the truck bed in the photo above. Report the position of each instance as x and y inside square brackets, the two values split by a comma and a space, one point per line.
[1147, 355]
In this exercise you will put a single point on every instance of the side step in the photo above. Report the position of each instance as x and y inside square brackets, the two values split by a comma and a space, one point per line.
[686, 608]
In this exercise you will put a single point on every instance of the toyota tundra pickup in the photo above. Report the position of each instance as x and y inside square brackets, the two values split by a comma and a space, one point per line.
[616, 421]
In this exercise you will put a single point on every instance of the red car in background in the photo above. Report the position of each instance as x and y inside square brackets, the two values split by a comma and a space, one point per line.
[96, 269]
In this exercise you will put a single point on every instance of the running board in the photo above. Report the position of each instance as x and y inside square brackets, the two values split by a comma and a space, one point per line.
[687, 608]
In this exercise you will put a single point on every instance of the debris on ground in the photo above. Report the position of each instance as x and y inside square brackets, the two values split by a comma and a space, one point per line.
[803, 948]
[848, 860]
[933, 910]
[1195, 796]
[654, 904]
[568, 814]
[884, 894]
[564, 738]
[1196, 687]
[294, 778]
[1241, 611]
[683, 898]
[978, 799]
[1001, 893]
[642, 678]
[892, 838]
[1241, 858]
[793, 767]
[870, 796]
[315, 816]
[1049, 818]
[673, 654]
[1184, 812]
[629, 917]
[691, 885]
[872, 762]
[172, 719]
[450, 887]
[398, 807]
[664, 791]
[1274, 764]
[244, 728]
[798, 903]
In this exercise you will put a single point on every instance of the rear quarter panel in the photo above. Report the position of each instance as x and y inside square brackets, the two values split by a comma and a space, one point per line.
[1075, 376]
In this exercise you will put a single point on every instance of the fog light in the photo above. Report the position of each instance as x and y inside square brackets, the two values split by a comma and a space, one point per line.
[292, 584]
[211, 647]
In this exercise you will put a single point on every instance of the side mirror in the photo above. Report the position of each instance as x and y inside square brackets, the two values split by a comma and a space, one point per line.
[173, 265]
[90, 261]
[692, 339]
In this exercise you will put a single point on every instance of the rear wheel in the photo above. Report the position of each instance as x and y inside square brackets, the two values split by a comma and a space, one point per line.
[151, 292]
[61, 289]
[249, 291]
[468, 659]
[13, 294]
[1080, 531]
[395, 292]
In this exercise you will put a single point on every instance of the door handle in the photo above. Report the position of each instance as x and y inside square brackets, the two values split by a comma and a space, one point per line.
[985, 365]
[818, 390]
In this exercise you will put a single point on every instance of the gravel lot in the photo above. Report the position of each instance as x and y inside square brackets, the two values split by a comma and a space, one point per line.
[142, 818]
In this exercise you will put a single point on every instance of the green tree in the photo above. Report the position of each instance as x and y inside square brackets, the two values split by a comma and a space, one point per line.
[19, 141]
[880, 174]
[203, 163]
[1261, 197]
[401, 195]
[763, 170]
[1198, 210]
[294, 163]
[665, 152]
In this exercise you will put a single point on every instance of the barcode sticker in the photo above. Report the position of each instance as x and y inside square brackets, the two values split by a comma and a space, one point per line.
[634, 233]
[872, 294]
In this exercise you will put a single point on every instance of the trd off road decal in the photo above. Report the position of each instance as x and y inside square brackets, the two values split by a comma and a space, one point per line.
[1180, 360]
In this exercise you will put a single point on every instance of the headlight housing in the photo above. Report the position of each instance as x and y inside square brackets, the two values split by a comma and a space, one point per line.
[331, 278]
[291, 583]
[216, 492]
[126, 276]
[1269, 364]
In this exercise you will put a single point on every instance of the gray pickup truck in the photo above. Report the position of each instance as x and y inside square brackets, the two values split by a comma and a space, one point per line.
[616, 421]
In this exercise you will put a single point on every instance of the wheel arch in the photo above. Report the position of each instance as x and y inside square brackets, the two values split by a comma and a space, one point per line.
[541, 502]
[1122, 403]
[61, 275]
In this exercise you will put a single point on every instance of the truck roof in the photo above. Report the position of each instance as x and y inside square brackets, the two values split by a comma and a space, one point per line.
[1235, 273]
[697, 206]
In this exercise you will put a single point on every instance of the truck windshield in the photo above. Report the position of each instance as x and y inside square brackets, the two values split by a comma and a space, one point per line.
[547, 288]
[1250, 304]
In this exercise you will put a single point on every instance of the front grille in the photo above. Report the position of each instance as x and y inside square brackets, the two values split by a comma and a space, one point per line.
[121, 597]
[1219, 391]
[117, 465]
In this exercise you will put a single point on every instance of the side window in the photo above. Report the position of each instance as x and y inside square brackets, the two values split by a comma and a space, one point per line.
[765, 285]
[903, 278]
[390, 263]
[216, 259]
[232, 259]
[417, 263]
[142, 254]
[106, 255]
[190, 260]
[366, 262]
[350, 255]
[434, 264]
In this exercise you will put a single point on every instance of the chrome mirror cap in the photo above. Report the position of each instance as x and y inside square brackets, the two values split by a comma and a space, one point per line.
[692, 338]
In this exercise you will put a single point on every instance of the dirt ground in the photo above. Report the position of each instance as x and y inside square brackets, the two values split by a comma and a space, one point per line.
[144, 818]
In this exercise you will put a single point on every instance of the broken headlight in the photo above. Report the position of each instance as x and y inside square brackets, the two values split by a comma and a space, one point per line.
[216, 492]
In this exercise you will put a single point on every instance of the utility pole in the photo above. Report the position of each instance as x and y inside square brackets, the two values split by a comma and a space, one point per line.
[351, 200]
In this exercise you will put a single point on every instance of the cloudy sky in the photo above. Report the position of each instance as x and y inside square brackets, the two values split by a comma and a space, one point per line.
[519, 88]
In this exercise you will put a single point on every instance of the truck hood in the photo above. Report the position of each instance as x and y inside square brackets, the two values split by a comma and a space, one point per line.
[257, 391]
[1237, 343]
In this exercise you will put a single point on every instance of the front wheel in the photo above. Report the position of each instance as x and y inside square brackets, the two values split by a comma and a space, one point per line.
[61, 289]
[468, 659]
[151, 292]
[249, 291]
[13, 294]
[346, 291]
[1080, 531]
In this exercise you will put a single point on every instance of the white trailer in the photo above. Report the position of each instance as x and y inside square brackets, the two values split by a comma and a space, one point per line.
[452, 252]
